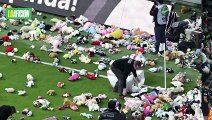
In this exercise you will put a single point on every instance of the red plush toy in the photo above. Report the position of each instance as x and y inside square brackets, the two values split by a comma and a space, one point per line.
[5, 38]
[91, 76]
[95, 42]
[9, 49]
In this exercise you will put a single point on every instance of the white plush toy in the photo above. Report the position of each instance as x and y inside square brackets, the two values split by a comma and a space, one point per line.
[83, 72]
[102, 66]
[29, 114]
[21, 92]
[41, 103]
[30, 83]
[130, 79]
[30, 77]
[10, 90]
[84, 59]
[67, 30]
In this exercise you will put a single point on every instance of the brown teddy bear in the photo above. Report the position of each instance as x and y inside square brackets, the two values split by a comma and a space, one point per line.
[53, 54]
[168, 55]
[184, 9]
[69, 104]
[51, 92]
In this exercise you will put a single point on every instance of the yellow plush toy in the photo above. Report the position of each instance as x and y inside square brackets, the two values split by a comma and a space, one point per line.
[117, 34]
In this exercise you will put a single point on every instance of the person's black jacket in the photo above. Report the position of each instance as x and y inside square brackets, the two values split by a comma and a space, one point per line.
[112, 114]
[154, 12]
[126, 66]
[6, 111]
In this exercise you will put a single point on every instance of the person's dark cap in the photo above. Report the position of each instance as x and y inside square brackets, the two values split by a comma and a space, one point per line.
[112, 104]
[160, 1]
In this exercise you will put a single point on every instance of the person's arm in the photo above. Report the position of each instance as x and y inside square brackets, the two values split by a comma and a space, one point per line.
[153, 10]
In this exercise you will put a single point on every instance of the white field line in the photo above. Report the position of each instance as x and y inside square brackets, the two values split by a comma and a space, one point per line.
[50, 64]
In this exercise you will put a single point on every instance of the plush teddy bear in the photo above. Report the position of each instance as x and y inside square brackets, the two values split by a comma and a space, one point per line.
[80, 100]
[50, 92]
[41, 103]
[184, 9]
[69, 104]
[84, 59]
[21, 92]
[53, 54]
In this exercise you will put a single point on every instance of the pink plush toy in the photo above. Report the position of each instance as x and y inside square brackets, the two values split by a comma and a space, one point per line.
[74, 77]
[56, 44]
[87, 25]
[147, 109]
[60, 84]
[131, 47]
[150, 98]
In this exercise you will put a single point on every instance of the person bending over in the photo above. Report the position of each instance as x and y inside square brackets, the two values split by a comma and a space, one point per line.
[122, 68]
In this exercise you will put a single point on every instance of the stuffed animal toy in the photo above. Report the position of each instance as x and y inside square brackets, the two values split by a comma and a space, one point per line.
[137, 115]
[89, 116]
[168, 55]
[147, 109]
[67, 56]
[25, 36]
[51, 118]
[6, 44]
[177, 83]
[67, 94]
[43, 48]
[9, 49]
[30, 77]
[117, 34]
[92, 104]
[50, 92]
[81, 19]
[67, 30]
[151, 62]
[155, 69]
[56, 61]
[10, 90]
[21, 92]
[6, 111]
[102, 66]
[27, 112]
[30, 83]
[165, 96]
[53, 54]
[79, 100]
[84, 59]
[69, 104]
[4, 25]
[60, 84]
[26, 29]
[41, 103]
[83, 72]
[180, 77]
[184, 9]
[74, 76]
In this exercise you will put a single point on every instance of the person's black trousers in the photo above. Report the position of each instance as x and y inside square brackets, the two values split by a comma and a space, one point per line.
[121, 83]
[160, 36]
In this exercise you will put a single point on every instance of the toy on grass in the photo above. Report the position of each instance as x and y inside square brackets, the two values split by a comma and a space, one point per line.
[92, 104]
[7, 44]
[102, 66]
[56, 61]
[83, 72]
[14, 60]
[60, 84]
[30, 83]
[73, 61]
[53, 54]
[80, 100]
[92, 76]
[10, 90]
[40, 97]
[74, 76]
[30, 77]
[155, 69]
[89, 116]
[41, 103]
[69, 104]
[84, 59]
[21, 92]
[117, 34]
[27, 112]
[9, 49]
[51, 92]
[67, 56]
[67, 94]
